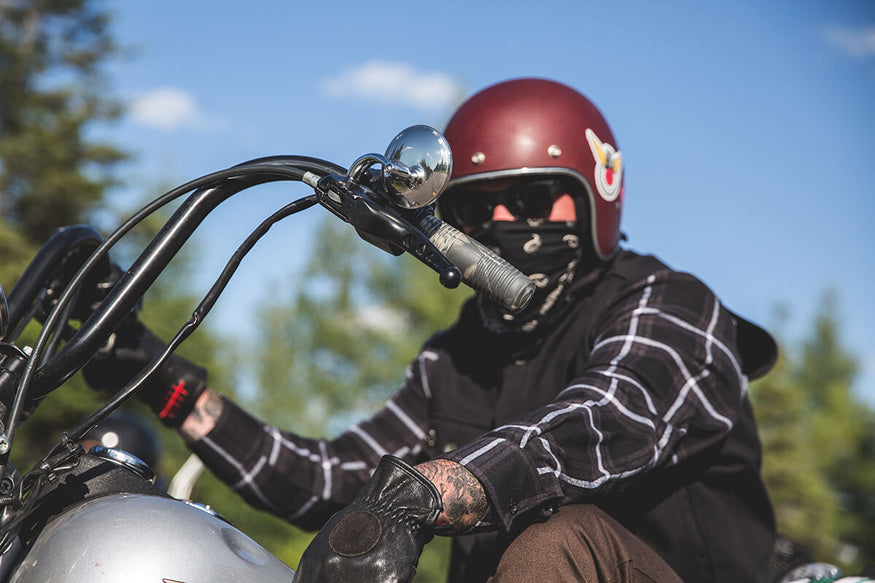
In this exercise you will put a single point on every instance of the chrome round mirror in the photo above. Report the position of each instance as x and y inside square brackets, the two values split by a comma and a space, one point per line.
[4, 314]
[420, 164]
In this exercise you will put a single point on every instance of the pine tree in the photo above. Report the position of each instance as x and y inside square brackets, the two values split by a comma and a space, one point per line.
[819, 443]
[51, 174]
[843, 432]
[51, 94]
[800, 492]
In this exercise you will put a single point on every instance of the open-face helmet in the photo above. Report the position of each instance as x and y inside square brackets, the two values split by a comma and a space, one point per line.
[537, 128]
[127, 431]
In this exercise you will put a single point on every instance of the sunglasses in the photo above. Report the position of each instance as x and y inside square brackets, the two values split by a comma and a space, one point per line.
[469, 206]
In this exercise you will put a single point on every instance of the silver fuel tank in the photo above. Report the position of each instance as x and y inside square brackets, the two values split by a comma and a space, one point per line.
[143, 538]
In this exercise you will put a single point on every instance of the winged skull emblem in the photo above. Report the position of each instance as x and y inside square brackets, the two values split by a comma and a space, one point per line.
[608, 167]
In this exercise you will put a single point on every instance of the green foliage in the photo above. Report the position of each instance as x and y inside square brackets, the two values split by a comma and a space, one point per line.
[51, 175]
[16, 252]
[799, 490]
[51, 93]
[338, 344]
[819, 442]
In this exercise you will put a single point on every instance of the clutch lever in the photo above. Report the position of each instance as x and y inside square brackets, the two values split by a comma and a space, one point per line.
[388, 228]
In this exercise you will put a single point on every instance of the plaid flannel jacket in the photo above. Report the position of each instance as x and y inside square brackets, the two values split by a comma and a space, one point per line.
[662, 382]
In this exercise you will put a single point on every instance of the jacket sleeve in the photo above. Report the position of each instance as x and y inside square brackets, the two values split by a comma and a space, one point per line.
[662, 383]
[306, 480]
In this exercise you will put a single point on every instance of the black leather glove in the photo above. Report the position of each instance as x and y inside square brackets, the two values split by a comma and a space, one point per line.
[380, 535]
[173, 389]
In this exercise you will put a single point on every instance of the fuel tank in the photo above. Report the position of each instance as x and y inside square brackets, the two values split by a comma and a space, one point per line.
[144, 538]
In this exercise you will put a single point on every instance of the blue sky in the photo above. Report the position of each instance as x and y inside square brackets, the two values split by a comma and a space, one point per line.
[747, 128]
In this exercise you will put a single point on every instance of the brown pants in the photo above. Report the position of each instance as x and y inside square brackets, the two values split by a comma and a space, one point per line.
[581, 543]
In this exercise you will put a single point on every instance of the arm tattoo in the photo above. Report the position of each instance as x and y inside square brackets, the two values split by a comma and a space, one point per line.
[462, 495]
[203, 417]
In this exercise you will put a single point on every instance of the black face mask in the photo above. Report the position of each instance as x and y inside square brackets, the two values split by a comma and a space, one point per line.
[548, 252]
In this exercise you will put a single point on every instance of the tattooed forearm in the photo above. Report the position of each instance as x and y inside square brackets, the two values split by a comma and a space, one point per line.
[203, 417]
[461, 493]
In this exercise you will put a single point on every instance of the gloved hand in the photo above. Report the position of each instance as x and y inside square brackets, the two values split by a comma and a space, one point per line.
[380, 535]
[173, 389]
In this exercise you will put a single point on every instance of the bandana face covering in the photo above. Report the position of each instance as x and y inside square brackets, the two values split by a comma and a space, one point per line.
[548, 252]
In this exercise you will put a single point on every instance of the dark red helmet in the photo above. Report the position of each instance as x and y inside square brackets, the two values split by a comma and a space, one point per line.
[541, 127]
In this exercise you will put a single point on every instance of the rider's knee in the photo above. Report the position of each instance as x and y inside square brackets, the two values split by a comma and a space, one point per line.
[580, 542]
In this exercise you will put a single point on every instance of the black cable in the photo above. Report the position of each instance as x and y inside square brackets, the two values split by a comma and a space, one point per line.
[52, 344]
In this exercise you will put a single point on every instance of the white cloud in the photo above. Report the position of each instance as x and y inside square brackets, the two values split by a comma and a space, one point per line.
[169, 108]
[390, 83]
[857, 42]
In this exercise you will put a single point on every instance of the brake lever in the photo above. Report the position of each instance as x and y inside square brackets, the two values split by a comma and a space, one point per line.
[382, 225]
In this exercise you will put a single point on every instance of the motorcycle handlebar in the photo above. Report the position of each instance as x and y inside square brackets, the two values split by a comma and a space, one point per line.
[123, 297]
[375, 215]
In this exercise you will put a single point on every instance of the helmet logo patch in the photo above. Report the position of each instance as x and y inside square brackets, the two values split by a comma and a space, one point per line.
[608, 167]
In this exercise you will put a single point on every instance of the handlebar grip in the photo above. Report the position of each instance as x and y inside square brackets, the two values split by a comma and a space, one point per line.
[481, 269]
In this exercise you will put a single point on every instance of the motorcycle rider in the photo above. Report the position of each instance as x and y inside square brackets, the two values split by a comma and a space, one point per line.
[604, 433]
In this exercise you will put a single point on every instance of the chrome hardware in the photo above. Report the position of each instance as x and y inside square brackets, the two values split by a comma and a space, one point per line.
[415, 168]
[124, 459]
